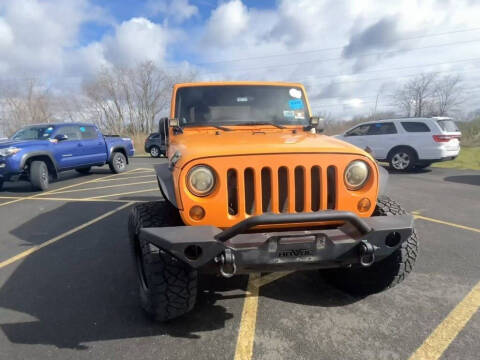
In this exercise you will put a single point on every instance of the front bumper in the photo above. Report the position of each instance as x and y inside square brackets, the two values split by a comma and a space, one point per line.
[249, 249]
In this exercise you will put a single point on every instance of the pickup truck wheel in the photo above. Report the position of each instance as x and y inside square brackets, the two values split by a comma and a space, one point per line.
[168, 286]
[84, 170]
[154, 151]
[39, 175]
[384, 274]
[118, 163]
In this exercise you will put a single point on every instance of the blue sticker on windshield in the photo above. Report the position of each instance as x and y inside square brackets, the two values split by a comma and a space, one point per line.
[295, 104]
[82, 129]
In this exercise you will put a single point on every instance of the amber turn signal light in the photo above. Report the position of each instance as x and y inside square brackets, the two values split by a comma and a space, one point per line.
[197, 212]
[364, 205]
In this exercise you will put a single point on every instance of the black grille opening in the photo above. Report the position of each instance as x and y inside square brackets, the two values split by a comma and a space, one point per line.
[283, 189]
[331, 187]
[315, 187]
[266, 175]
[232, 188]
[299, 189]
[249, 191]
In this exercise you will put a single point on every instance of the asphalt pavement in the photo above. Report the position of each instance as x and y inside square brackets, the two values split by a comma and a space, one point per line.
[68, 288]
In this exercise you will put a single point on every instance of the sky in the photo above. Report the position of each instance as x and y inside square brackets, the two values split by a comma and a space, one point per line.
[345, 52]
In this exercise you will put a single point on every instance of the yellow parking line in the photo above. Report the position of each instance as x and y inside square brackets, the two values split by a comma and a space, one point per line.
[447, 223]
[72, 199]
[105, 187]
[434, 346]
[246, 333]
[119, 194]
[33, 249]
[267, 279]
[127, 177]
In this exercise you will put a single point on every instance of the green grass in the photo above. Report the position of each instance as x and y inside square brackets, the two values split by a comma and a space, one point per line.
[469, 158]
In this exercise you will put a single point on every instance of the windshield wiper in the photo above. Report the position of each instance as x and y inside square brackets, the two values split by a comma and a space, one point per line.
[212, 125]
[259, 123]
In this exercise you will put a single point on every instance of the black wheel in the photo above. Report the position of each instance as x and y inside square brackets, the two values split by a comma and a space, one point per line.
[168, 286]
[39, 175]
[422, 165]
[118, 163]
[154, 151]
[383, 274]
[84, 170]
[402, 159]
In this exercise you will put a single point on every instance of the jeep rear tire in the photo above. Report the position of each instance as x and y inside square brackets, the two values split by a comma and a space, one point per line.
[384, 274]
[167, 285]
[118, 163]
[84, 170]
[39, 175]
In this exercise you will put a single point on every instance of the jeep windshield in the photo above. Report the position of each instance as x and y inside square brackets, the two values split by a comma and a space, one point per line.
[37, 132]
[241, 105]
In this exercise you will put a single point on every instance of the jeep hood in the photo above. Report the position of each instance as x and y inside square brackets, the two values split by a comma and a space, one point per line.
[194, 144]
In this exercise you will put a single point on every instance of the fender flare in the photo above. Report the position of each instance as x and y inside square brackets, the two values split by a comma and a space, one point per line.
[115, 148]
[383, 176]
[165, 183]
[29, 155]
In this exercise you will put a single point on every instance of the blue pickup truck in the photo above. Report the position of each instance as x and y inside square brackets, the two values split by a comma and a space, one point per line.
[39, 152]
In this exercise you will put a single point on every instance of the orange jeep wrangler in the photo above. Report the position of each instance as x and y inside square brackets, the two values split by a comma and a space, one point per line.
[252, 186]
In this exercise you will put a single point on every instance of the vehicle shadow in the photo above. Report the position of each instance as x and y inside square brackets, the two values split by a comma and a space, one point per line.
[413, 171]
[84, 289]
[464, 179]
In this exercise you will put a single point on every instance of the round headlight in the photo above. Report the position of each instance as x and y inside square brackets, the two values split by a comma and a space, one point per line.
[201, 180]
[356, 174]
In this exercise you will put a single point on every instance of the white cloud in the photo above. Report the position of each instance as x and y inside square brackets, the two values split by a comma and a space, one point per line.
[227, 24]
[178, 10]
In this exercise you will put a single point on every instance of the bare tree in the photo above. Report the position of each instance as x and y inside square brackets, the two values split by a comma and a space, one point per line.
[131, 100]
[448, 94]
[416, 96]
[24, 103]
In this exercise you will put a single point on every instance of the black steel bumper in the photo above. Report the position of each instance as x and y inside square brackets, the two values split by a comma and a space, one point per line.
[250, 249]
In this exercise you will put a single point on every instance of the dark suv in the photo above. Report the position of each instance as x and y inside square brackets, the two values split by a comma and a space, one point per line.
[155, 145]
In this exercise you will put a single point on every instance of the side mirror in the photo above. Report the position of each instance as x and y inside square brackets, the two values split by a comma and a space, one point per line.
[317, 123]
[61, 137]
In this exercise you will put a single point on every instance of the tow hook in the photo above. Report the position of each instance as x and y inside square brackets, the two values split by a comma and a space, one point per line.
[367, 253]
[227, 263]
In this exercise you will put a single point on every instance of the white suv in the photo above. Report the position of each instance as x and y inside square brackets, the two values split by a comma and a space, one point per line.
[407, 143]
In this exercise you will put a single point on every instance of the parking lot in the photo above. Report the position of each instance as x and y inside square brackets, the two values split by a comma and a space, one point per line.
[68, 288]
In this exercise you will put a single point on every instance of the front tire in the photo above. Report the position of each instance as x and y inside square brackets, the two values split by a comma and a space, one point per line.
[39, 175]
[155, 151]
[167, 285]
[402, 159]
[384, 274]
[118, 163]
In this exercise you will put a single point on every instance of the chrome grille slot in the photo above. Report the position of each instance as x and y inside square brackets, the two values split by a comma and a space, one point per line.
[315, 189]
[299, 189]
[249, 191]
[283, 197]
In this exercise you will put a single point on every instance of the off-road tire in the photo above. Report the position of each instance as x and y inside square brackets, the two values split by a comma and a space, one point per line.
[84, 170]
[155, 152]
[118, 163]
[384, 274]
[168, 286]
[39, 177]
[402, 151]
